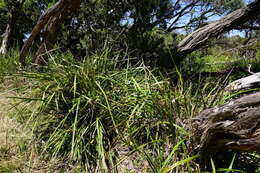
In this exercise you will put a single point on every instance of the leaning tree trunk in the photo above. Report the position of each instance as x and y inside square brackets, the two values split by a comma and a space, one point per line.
[54, 16]
[235, 19]
[50, 36]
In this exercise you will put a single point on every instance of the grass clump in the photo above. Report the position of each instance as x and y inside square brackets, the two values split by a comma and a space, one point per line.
[100, 114]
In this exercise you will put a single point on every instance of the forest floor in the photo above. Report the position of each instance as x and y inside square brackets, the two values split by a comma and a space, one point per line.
[17, 151]
[13, 137]
[8, 134]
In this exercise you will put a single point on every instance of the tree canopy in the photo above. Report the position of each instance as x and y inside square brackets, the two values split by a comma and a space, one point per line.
[127, 22]
[115, 85]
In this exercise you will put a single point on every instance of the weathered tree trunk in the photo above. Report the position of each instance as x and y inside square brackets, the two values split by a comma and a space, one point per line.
[50, 38]
[52, 31]
[233, 125]
[235, 19]
[53, 11]
[250, 82]
[55, 16]
[7, 36]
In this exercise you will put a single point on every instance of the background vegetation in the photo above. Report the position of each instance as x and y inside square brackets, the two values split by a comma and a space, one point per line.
[114, 95]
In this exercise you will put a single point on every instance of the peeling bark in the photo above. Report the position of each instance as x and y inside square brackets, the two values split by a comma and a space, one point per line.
[38, 27]
[233, 125]
[249, 82]
[54, 17]
[235, 19]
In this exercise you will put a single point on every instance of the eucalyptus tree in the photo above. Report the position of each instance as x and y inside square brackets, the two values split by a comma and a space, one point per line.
[17, 19]
[52, 18]
[135, 20]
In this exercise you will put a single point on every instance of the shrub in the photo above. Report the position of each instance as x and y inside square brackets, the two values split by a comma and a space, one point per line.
[89, 110]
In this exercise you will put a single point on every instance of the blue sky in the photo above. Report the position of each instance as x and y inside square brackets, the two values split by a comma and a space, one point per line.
[185, 19]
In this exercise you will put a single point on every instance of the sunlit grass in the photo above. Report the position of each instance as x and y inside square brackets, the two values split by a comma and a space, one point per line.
[89, 111]
[107, 114]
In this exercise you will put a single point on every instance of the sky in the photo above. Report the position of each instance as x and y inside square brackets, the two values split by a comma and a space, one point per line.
[128, 21]
[216, 17]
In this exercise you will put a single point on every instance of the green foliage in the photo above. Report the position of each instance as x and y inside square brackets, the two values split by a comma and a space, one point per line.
[86, 111]
[2, 4]
[51, 3]
[21, 17]
[155, 47]
[233, 54]
[92, 111]
[9, 64]
[227, 6]
[135, 23]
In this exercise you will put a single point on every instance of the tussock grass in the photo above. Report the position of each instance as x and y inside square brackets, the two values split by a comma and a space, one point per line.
[109, 117]
[18, 150]
[106, 115]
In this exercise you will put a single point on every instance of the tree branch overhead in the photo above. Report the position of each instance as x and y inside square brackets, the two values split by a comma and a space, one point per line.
[237, 18]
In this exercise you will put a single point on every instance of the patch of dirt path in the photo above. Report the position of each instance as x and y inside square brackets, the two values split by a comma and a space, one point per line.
[6, 123]
[10, 131]
[17, 150]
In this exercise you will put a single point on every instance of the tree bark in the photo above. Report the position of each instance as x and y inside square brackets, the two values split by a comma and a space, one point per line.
[237, 18]
[233, 125]
[51, 34]
[250, 82]
[54, 16]
[38, 27]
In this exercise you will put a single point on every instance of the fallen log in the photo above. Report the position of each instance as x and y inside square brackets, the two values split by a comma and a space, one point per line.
[234, 125]
[250, 82]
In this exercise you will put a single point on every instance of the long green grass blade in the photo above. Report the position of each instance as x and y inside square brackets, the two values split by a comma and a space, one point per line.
[168, 169]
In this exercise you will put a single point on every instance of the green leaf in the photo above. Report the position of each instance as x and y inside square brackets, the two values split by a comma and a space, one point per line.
[171, 154]
[213, 165]
[168, 169]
